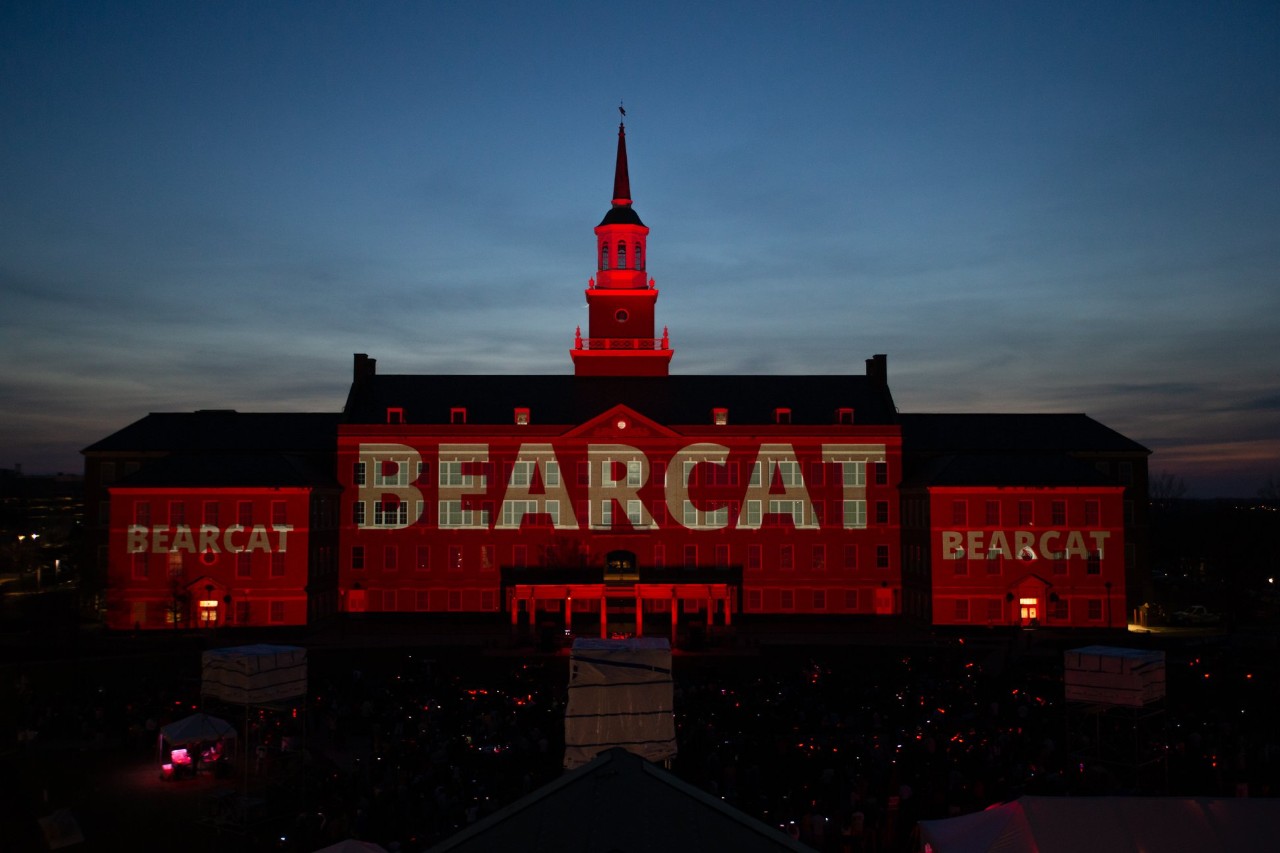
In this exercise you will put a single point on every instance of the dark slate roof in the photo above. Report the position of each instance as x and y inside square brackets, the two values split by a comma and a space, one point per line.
[224, 430]
[572, 400]
[621, 214]
[987, 469]
[620, 802]
[233, 470]
[1011, 433]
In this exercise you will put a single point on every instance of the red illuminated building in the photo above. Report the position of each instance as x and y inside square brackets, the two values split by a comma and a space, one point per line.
[619, 499]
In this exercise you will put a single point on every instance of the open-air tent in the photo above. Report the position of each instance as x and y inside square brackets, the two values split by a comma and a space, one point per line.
[254, 675]
[194, 730]
[620, 694]
[1109, 825]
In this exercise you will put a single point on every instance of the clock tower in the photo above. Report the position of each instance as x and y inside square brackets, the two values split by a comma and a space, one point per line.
[620, 339]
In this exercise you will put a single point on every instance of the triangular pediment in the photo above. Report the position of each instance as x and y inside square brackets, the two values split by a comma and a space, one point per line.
[620, 423]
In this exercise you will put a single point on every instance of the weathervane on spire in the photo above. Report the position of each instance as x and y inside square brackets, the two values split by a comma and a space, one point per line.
[621, 110]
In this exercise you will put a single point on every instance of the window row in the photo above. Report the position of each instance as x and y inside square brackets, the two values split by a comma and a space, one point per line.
[1087, 514]
[148, 513]
[637, 255]
[484, 557]
[394, 513]
[996, 610]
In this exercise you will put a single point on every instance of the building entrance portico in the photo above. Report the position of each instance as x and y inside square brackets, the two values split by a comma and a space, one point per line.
[622, 608]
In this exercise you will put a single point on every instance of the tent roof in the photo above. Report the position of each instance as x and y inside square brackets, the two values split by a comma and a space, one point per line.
[1109, 825]
[197, 728]
[619, 802]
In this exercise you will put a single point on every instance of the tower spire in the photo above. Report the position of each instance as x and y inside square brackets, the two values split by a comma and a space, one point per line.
[621, 176]
[620, 338]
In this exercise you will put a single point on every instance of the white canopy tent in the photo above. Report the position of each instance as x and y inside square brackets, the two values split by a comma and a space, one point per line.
[620, 694]
[254, 675]
[194, 730]
[1109, 825]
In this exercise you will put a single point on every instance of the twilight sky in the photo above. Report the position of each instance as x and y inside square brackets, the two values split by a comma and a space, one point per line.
[1039, 207]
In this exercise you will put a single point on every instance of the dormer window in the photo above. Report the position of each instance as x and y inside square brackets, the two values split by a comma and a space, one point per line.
[395, 415]
[720, 417]
[457, 415]
[844, 416]
[522, 417]
[782, 416]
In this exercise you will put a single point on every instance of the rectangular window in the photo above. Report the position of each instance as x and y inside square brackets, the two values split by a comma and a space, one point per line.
[1058, 512]
[855, 514]
[357, 513]
[995, 610]
[390, 558]
[882, 556]
[882, 473]
[142, 513]
[488, 558]
[995, 562]
[244, 513]
[959, 513]
[786, 558]
[844, 416]
[882, 512]
[423, 562]
[960, 568]
[788, 598]
[1058, 609]
[357, 473]
[753, 557]
[690, 556]
[422, 600]
[277, 611]
[455, 599]
[488, 600]
[357, 557]
[962, 610]
[393, 513]
[818, 558]
[819, 599]
[1094, 609]
[782, 416]
[522, 417]
[722, 556]
[851, 557]
[457, 415]
[755, 601]
[177, 513]
[520, 556]
[659, 556]
[720, 417]
[1059, 565]
[1026, 513]
[279, 513]
[1092, 513]
[211, 513]
[753, 513]
[993, 513]
[853, 473]
[138, 566]
[244, 564]
[1094, 564]
[242, 613]
[277, 565]
[455, 558]
[851, 600]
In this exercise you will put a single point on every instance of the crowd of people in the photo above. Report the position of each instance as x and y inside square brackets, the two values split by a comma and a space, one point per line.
[844, 748]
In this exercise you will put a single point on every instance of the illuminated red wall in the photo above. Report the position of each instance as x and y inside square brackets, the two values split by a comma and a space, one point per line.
[1057, 552]
[246, 553]
[817, 566]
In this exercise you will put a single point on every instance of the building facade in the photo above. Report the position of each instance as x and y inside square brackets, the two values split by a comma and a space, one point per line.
[619, 499]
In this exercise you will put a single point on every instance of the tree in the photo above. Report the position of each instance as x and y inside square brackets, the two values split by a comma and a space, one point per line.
[1165, 487]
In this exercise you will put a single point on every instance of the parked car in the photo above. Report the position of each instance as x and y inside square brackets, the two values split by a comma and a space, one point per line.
[1197, 614]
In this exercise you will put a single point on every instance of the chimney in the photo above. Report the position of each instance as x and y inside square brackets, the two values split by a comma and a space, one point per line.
[878, 370]
[365, 367]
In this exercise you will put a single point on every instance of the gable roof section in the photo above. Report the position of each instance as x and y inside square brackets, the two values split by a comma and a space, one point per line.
[234, 470]
[619, 801]
[1012, 433]
[673, 400]
[221, 430]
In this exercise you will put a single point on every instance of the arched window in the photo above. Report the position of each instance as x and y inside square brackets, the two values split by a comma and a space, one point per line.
[622, 255]
[639, 257]
[604, 256]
